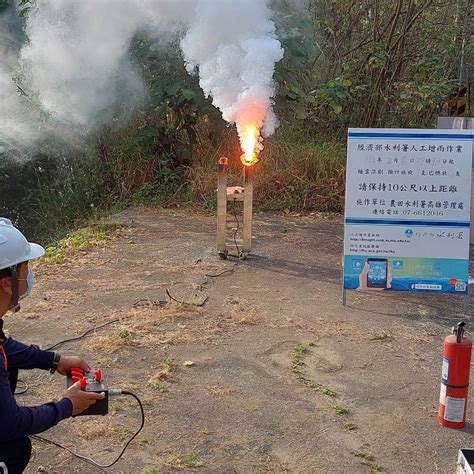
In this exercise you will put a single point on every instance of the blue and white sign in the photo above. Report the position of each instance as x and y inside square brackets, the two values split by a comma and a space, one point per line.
[407, 214]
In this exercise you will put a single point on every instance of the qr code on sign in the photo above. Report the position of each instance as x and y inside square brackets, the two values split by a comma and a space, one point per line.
[460, 286]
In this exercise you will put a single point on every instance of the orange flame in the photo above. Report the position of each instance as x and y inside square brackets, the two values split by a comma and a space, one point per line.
[249, 142]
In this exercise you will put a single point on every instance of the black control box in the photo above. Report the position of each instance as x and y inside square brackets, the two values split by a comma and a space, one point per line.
[92, 381]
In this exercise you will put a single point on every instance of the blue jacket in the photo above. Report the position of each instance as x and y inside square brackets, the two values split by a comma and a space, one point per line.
[18, 422]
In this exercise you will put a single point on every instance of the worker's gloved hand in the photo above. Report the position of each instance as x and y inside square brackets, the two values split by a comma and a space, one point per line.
[66, 363]
[81, 400]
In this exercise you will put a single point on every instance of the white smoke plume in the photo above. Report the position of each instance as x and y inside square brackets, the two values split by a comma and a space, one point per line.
[75, 65]
[235, 49]
[16, 119]
[76, 59]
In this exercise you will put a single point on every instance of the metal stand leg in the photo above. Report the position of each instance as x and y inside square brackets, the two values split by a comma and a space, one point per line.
[248, 211]
[222, 208]
[344, 293]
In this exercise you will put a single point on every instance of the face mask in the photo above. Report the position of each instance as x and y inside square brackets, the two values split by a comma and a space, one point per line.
[30, 281]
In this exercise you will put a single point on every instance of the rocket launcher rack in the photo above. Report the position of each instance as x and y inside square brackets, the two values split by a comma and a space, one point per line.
[233, 195]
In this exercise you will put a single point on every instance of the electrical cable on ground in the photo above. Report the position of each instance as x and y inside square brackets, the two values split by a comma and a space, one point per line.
[54, 346]
[124, 392]
[216, 275]
[231, 270]
[234, 237]
[90, 460]
[24, 389]
[81, 336]
[234, 210]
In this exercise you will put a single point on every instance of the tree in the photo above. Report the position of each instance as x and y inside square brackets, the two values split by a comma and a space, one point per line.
[384, 63]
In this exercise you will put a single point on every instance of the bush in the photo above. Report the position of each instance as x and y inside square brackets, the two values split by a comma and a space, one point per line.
[46, 196]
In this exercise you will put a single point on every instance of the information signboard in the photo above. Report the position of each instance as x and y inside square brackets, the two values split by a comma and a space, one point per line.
[407, 213]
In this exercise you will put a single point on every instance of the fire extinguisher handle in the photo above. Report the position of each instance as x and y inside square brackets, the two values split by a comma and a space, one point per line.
[459, 331]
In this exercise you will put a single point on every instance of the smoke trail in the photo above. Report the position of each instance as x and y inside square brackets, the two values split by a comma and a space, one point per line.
[76, 59]
[16, 120]
[236, 49]
[77, 56]
[76, 68]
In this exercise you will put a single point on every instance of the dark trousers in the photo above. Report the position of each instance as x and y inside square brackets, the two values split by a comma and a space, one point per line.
[14, 455]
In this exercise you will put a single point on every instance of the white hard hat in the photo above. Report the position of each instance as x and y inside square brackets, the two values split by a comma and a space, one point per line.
[14, 248]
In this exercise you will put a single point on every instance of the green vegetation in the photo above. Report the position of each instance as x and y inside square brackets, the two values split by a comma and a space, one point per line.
[365, 456]
[167, 364]
[115, 407]
[369, 460]
[95, 235]
[121, 432]
[297, 366]
[157, 386]
[346, 64]
[297, 363]
[378, 336]
[125, 335]
[341, 410]
[328, 391]
[180, 461]
[156, 382]
[50, 195]
[372, 64]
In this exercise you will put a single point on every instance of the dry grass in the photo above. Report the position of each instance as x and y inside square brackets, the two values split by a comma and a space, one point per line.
[218, 392]
[89, 429]
[302, 173]
[181, 461]
[295, 172]
[239, 311]
[245, 317]
[130, 386]
[170, 325]
[157, 381]
[92, 429]
[338, 330]
[142, 328]
[107, 344]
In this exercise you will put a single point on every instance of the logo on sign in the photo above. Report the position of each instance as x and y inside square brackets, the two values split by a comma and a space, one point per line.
[397, 264]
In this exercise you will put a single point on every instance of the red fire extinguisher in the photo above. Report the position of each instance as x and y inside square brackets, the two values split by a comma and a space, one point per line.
[455, 378]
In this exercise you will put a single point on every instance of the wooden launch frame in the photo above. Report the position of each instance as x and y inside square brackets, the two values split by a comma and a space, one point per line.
[233, 194]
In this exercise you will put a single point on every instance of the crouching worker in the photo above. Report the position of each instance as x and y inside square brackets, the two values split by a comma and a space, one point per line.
[17, 423]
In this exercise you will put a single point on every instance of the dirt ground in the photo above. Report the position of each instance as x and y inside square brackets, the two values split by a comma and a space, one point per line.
[262, 371]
